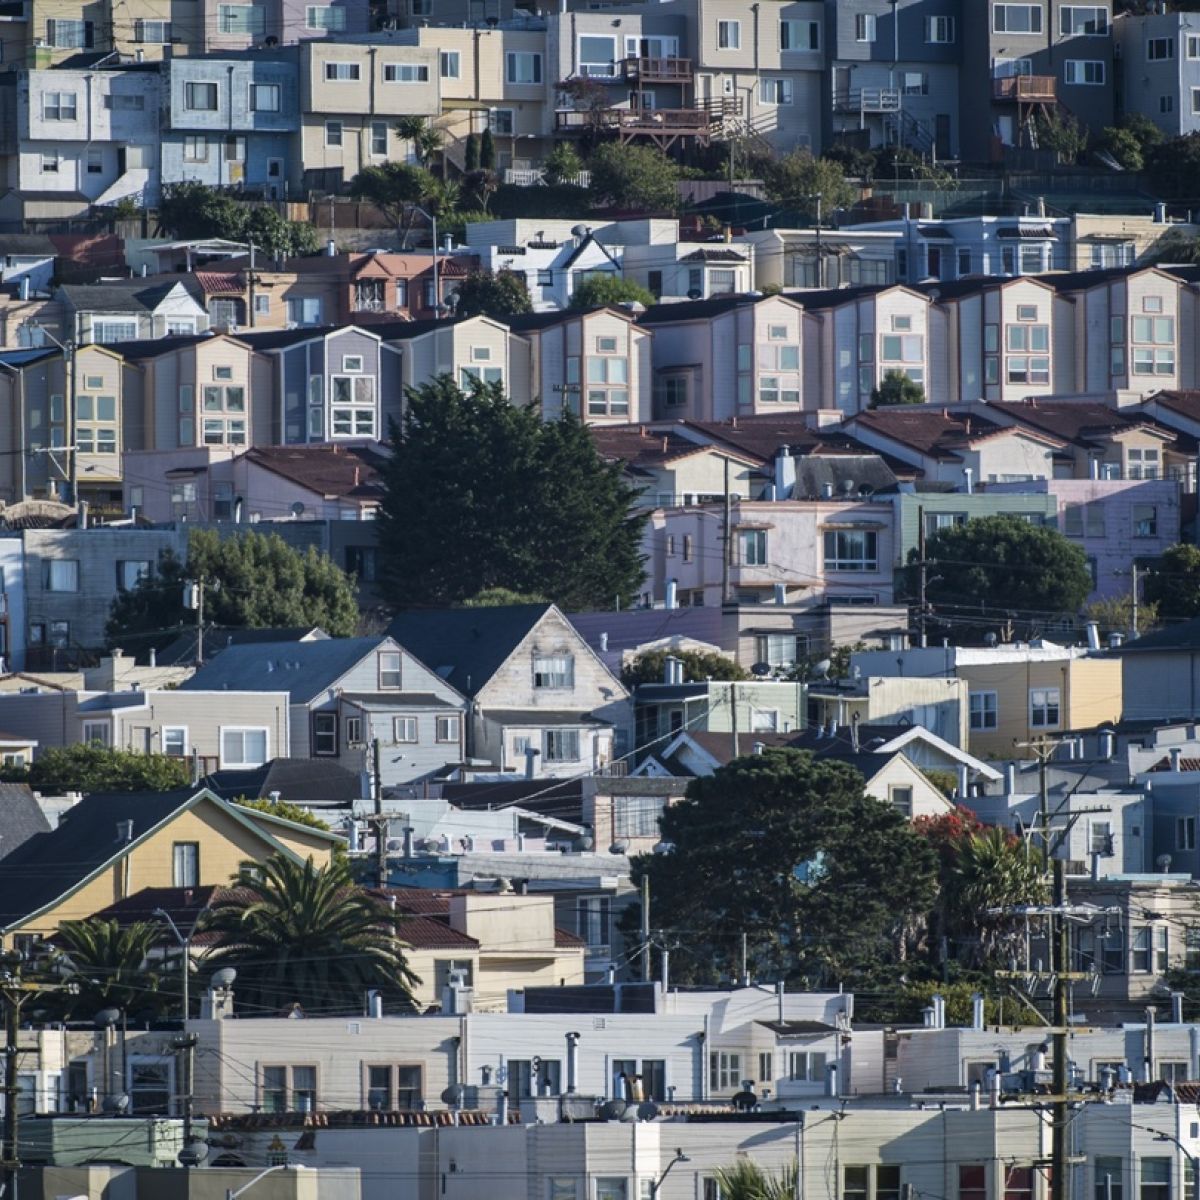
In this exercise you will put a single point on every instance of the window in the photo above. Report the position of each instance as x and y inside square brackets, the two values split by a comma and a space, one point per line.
[1145, 520]
[95, 731]
[729, 35]
[724, 1071]
[404, 729]
[95, 162]
[939, 30]
[1141, 463]
[687, 547]
[60, 574]
[1110, 1183]
[780, 649]
[1018, 1183]
[49, 162]
[916, 83]
[1017, 18]
[200, 97]
[244, 20]
[264, 97]
[1160, 49]
[1140, 947]
[344, 72]
[856, 1183]
[131, 572]
[522, 66]
[58, 106]
[752, 547]
[616, 1188]
[608, 385]
[333, 137]
[561, 745]
[1090, 71]
[288, 1089]
[325, 17]
[1112, 952]
[185, 865]
[235, 149]
[636, 816]
[449, 64]
[864, 27]
[446, 728]
[151, 1085]
[1156, 1179]
[393, 1088]
[593, 916]
[305, 310]
[1043, 708]
[1185, 833]
[984, 710]
[553, 671]
[774, 91]
[500, 120]
[972, 1181]
[1191, 947]
[195, 148]
[597, 56]
[70, 35]
[1166, 104]
[806, 1066]
[529, 1077]
[851, 550]
[156, 33]
[243, 747]
[799, 35]
[1077, 21]
[405, 73]
[325, 738]
[389, 662]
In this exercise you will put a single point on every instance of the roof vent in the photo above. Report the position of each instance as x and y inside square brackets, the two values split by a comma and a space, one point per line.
[125, 832]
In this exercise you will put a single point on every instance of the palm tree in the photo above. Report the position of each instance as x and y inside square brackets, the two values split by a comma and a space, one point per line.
[746, 1180]
[307, 935]
[426, 141]
[108, 963]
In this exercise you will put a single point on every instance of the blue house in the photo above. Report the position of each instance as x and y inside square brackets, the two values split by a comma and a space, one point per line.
[231, 121]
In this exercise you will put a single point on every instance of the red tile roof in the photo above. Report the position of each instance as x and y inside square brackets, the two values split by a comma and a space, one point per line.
[219, 283]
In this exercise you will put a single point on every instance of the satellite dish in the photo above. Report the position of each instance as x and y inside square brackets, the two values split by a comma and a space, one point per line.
[613, 1110]
[580, 231]
[647, 1110]
[298, 508]
[224, 977]
[821, 670]
[760, 669]
[453, 1094]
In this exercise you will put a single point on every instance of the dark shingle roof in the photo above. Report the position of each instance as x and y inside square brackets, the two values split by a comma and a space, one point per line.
[154, 347]
[696, 310]
[929, 430]
[302, 669]
[720, 746]
[1185, 402]
[48, 865]
[1184, 636]
[25, 244]
[133, 296]
[1079, 421]
[466, 646]
[182, 651]
[332, 472]
[278, 339]
[312, 782]
[639, 447]
[21, 817]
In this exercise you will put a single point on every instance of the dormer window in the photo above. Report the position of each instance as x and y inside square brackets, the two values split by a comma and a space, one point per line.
[553, 671]
[389, 671]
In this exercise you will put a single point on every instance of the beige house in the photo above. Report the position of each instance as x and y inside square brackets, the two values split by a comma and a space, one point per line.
[1099, 240]
[351, 94]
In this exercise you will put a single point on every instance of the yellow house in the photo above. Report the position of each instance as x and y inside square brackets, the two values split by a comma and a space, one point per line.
[109, 846]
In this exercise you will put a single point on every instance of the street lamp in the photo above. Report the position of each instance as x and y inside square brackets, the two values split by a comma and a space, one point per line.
[233, 1194]
[680, 1157]
[68, 350]
[185, 943]
[1193, 1160]
[437, 295]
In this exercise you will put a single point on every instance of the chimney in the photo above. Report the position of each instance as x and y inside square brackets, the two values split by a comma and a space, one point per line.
[1010, 778]
[672, 671]
[785, 473]
[83, 514]
[331, 249]
[1176, 756]
[963, 781]
[572, 1061]
[969, 480]
[939, 1011]
[374, 1006]
[780, 590]
[977, 1011]
[672, 599]
[531, 754]
[1107, 745]
[1093, 635]
[1176, 1008]
[604, 643]
[1115, 640]
[23, 287]
[827, 490]
[758, 747]
[408, 839]
[153, 657]
[1150, 1047]
[1160, 213]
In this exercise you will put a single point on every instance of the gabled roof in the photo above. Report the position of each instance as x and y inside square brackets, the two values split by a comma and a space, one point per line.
[699, 310]
[27, 245]
[281, 339]
[182, 651]
[302, 669]
[466, 646]
[644, 449]
[127, 295]
[1184, 636]
[156, 347]
[21, 817]
[719, 748]
[524, 322]
[50, 866]
[315, 782]
[1182, 401]
[936, 432]
[331, 472]
[1083, 422]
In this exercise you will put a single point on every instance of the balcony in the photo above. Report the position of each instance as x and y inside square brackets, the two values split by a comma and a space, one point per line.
[663, 126]
[657, 70]
[1025, 89]
[867, 100]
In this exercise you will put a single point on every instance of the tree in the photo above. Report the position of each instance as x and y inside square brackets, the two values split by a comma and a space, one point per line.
[108, 964]
[797, 179]
[597, 290]
[195, 210]
[1123, 145]
[1174, 166]
[648, 666]
[471, 153]
[487, 150]
[252, 581]
[425, 140]
[538, 512]
[499, 597]
[393, 188]
[896, 388]
[1023, 569]
[562, 164]
[499, 294]
[1061, 133]
[300, 934]
[284, 810]
[92, 767]
[1114, 614]
[634, 177]
[746, 1180]
[789, 850]
[1174, 585]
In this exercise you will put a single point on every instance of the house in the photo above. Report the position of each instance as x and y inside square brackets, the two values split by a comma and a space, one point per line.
[1160, 672]
[180, 654]
[1016, 692]
[1157, 56]
[552, 270]
[312, 783]
[595, 364]
[231, 121]
[131, 309]
[889, 775]
[27, 261]
[937, 705]
[345, 695]
[21, 817]
[111, 845]
[1100, 240]
[221, 29]
[737, 712]
[812, 258]
[542, 702]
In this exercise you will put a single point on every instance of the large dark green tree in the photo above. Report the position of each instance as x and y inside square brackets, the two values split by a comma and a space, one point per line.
[195, 210]
[826, 882]
[483, 494]
[1005, 564]
[896, 388]
[494, 294]
[301, 934]
[252, 581]
[634, 177]
[1174, 585]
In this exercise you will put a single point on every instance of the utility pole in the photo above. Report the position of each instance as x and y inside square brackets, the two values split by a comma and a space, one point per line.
[380, 832]
[644, 953]
[820, 258]
[1134, 615]
[921, 575]
[73, 426]
[726, 537]
[250, 289]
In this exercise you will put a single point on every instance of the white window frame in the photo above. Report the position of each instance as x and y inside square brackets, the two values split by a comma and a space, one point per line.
[514, 60]
[1040, 704]
[986, 714]
[729, 34]
[865, 27]
[940, 31]
[228, 763]
[450, 64]
[400, 730]
[1000, 19]
[167, 731]
[97, 731]
[1066, 20]
[1076, 71]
